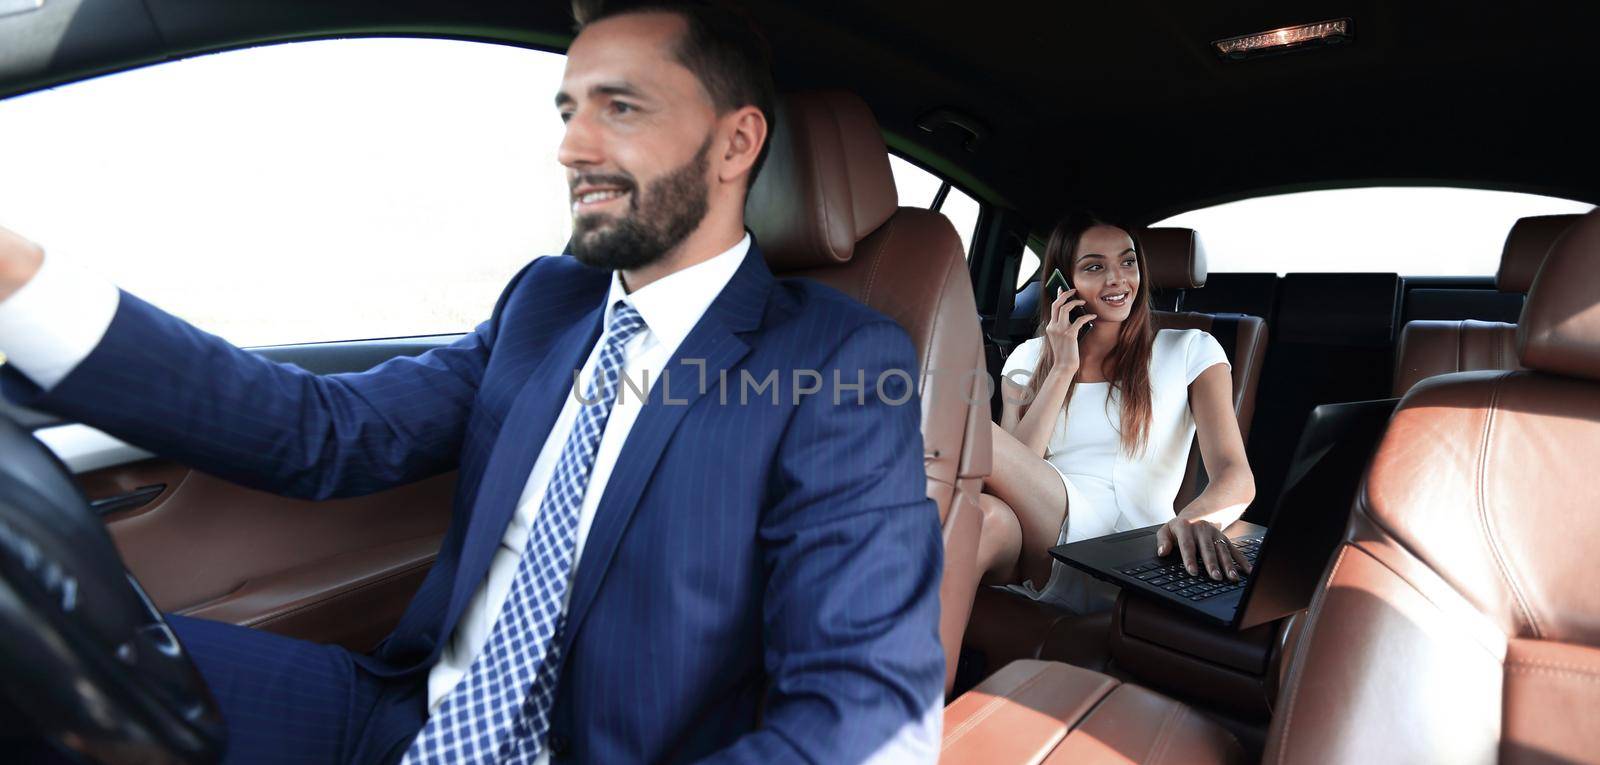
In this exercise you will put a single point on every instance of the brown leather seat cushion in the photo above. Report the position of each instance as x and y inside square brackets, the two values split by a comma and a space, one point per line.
[1175, 257]
[1008, 627]
[1429, 348]
[1248, 353]
[1527, 244]
[1046, 712]
[1459, 621]
[825, 208]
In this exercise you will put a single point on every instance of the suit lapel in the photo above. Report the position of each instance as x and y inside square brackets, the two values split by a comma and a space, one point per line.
[522, 436]
[715, 338]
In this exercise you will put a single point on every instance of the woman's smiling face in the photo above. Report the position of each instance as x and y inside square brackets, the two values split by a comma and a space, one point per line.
[1105, 271]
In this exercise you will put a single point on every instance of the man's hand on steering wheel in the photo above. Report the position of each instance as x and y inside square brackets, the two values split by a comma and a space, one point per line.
[1202, 545]
[19, 261]
[90, 663]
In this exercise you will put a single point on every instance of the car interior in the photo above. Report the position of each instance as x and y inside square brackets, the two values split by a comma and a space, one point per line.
[1453, 623]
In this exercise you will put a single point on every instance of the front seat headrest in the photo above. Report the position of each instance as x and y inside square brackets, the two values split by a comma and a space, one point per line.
[1174, 257]
[1526, 246]
[826, 184]
[1560, 327]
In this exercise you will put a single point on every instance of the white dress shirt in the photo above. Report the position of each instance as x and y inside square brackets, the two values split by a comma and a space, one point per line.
[50, 325]
[670, 307]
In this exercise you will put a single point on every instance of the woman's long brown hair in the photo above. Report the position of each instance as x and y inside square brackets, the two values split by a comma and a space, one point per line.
[1127, 366]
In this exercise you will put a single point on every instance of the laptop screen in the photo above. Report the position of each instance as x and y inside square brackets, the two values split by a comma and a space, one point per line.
[1313, 509]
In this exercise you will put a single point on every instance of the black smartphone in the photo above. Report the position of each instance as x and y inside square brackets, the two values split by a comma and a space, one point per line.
[1057, 284]
[1054, 286]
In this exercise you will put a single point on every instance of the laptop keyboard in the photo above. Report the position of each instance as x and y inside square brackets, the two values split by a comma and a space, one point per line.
[1169, 574]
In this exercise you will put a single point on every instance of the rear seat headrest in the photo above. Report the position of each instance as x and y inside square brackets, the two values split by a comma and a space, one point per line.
[826, 184]
[1560, 327]
[1526, 245]
[1174, 257]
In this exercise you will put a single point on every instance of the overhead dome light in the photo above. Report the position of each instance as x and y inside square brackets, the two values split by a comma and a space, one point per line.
[1285, 39]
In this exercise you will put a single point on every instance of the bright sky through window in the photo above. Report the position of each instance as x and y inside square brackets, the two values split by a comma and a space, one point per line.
[325, 190]
[1421, 231]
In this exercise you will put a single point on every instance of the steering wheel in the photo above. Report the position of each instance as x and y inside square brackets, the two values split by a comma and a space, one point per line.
[85, 656]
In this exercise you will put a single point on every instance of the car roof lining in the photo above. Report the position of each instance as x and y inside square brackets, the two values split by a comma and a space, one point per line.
[1121, 109]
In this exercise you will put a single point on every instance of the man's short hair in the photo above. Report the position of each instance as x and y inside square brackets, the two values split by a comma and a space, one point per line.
[722, 46]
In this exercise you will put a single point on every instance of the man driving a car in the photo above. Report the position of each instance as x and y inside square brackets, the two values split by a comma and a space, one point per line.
[568, 614]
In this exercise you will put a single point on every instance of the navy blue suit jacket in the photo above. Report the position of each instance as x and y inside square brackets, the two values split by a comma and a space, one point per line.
[761, 579]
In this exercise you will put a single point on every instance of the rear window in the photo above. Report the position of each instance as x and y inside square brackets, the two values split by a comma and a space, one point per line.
[917, 187]
[1423, 231]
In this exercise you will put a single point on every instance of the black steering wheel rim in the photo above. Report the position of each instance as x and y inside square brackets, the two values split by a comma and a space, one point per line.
[86, 656]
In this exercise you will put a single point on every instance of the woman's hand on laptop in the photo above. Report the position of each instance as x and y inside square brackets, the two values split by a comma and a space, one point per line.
[19, 261]
[1203, 546]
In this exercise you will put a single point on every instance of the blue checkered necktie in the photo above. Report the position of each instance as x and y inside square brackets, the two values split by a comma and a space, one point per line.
[500, 712]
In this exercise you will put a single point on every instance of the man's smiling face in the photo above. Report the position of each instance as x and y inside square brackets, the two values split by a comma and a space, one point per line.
[639, 128]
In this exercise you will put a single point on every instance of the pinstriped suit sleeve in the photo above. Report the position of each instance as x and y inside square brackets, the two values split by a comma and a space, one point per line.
[853, 551]
[159, 383]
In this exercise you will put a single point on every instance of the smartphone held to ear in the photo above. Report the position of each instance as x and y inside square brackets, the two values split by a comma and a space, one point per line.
[1053, 287]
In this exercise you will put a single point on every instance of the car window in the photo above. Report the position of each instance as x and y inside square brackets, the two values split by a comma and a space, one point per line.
[303, 192]
[1030, 266]
[1410, 231]
[919, 188]
[916, 187]
[962, 210]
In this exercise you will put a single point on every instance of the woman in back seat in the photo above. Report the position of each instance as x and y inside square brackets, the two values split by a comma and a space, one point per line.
[1096, 427]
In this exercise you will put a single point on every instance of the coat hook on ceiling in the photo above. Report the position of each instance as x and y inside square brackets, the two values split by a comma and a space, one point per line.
[976, 131]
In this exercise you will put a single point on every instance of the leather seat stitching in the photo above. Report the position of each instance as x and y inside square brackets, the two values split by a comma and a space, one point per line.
[822, 210]
[1104, 699]
[1193, 253]
[1486, 521]
[1297, 670]
[1232, 738]
[987, 710]
[1590, 677]
[1249, 370]
[1499, 354]
[872, 274]
[1521, 663]
[835, 122]
[933, 327]
[1158, 750]
[1364, 507]
[1474, 635]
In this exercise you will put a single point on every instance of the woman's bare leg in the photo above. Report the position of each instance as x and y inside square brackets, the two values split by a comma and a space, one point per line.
[1000, 542]
[1035, 493]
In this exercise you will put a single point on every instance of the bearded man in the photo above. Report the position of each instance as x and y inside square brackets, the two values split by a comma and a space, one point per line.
[687, 575]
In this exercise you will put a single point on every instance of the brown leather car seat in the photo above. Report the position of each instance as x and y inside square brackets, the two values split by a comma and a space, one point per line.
[1040, 712]
[1176, 260]
[1431, 347]
[825, 207]
[1460, 621]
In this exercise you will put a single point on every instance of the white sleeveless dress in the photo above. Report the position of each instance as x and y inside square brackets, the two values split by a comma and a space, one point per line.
[1109, 490]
